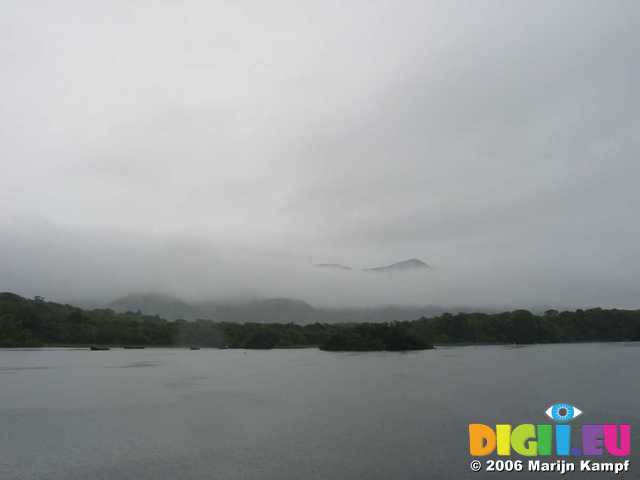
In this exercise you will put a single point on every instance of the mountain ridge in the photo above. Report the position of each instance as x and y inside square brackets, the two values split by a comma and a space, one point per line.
[268, 310]
[404, 265]
[337, 266]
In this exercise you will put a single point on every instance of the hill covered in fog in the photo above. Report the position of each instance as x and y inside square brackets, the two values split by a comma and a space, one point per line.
[413, 264]
[404, 266]
[267, 310]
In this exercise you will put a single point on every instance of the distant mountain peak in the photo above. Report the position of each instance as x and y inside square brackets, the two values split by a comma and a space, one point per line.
[335, 266]
[405, 265]
[152, 304]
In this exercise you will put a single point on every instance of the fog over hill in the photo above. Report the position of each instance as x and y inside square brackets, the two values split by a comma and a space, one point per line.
[96, 267]
[269, 310]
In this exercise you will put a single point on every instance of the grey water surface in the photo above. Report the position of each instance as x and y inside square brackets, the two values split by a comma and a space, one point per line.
[292, 414]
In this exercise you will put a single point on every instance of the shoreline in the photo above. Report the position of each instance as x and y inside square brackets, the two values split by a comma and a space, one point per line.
[86, 347]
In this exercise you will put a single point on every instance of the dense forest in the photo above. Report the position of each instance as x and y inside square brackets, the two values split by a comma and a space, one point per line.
[36, 322]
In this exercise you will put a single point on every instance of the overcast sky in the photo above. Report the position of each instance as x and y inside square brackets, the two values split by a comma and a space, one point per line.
[210, 148]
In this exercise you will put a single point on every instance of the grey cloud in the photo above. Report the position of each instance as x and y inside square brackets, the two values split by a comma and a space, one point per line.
[213, 149]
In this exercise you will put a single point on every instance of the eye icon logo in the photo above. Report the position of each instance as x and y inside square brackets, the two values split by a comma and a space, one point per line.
[563, 412]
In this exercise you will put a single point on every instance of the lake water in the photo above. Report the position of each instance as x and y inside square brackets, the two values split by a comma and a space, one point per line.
[292, 414]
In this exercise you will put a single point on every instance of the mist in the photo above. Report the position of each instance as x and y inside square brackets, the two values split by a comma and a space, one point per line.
[218, 151]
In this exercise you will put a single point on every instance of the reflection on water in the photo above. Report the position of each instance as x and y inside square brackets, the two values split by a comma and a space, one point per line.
[299, 414]
[19, 369]
[187, 382]
[140, 364]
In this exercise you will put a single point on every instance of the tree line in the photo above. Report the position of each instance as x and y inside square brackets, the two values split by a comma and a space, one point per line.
[36, 322]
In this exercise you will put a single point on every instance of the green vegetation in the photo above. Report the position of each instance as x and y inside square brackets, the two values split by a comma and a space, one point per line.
[30, 323]
[397, 336]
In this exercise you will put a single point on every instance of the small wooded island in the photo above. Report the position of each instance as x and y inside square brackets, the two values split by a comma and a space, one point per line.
[36, 322]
